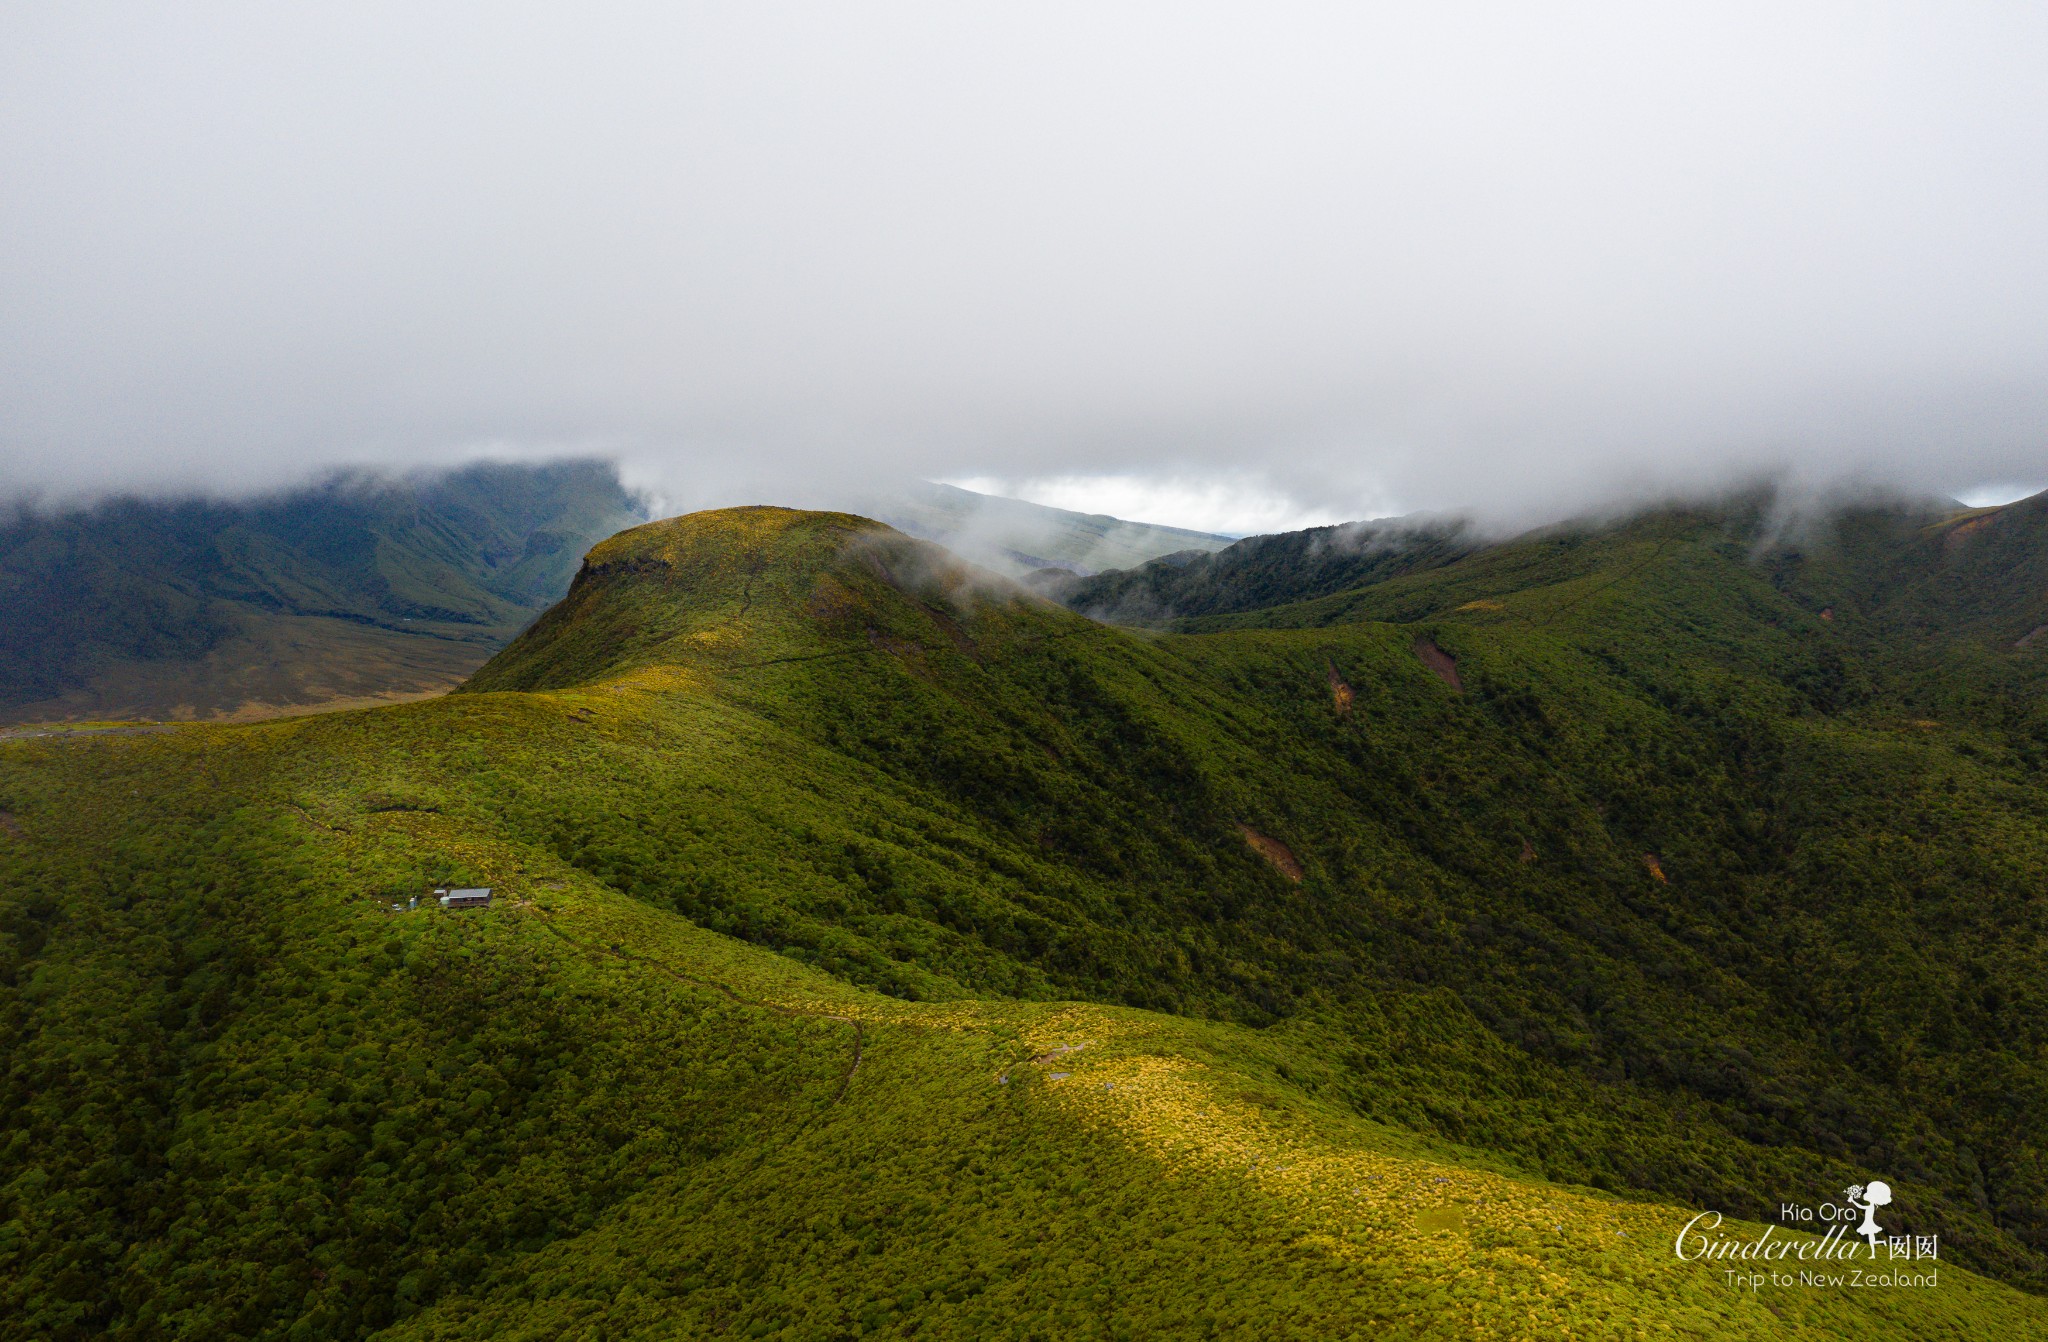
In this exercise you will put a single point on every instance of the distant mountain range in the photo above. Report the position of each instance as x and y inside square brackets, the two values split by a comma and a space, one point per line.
[363, 588]
[1924, 574]
[1262, 571]
[371, 589]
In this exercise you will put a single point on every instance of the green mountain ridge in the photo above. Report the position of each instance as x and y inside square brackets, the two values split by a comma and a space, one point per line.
[1263, 571]
[882, 949]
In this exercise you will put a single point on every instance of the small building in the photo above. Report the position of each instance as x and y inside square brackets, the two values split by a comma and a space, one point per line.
[458, 898]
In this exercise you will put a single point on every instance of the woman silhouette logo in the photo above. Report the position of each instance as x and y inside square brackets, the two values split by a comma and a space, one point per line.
[1868, 1198]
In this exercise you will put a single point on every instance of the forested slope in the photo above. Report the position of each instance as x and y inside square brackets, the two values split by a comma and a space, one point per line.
[1430, 969]
[1262, 571]
[360, 586]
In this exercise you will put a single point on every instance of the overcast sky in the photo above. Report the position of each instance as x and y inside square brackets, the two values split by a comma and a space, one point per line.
[1229, 266]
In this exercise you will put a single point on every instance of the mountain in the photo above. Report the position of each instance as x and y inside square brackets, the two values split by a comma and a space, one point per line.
[878, 948]
[363, 587]
[1931, 578]
[1263, 571]
[368, 589]
[1018, 539]
[1926, 569]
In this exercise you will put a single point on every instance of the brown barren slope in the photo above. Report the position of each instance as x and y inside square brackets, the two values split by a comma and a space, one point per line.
[1279, 854]
[1441, 663]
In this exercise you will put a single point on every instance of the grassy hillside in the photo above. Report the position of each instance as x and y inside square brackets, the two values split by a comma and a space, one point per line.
[1426, 975]
[362, 587]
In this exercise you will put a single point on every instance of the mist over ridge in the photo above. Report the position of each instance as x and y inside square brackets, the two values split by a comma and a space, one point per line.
[1328, 263]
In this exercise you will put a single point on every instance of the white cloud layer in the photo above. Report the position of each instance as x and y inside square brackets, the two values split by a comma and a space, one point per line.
[1998, 492]
[1515, 257]
[1241, 504]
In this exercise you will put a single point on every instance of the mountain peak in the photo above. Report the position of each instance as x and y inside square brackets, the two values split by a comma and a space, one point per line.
[737, 587]
[719, 537]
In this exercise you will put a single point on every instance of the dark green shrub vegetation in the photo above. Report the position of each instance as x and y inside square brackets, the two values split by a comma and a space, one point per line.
[804, 837]
[1263, 571]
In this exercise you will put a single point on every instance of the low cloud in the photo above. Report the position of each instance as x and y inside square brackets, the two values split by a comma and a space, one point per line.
[1214, 266]
[1237, 503]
